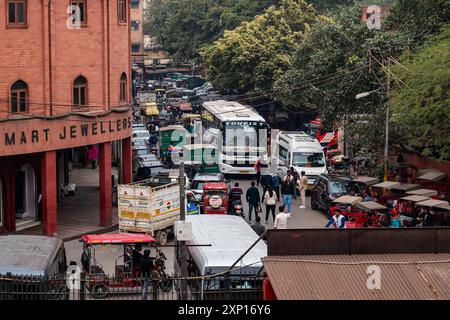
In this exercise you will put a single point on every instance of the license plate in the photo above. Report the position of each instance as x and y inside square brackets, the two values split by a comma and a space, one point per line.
[243, 171]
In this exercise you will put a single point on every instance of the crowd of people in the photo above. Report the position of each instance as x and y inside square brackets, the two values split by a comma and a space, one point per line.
[275, 190]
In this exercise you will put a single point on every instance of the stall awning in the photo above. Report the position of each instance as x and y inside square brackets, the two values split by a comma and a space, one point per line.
[432, 203]
[415, 198]
[386, 184]
[366, 180]
[434, 176]
[423, 192]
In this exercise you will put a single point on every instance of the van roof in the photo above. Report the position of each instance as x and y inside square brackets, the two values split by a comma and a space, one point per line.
[299, 139]
[229, 236]
[27, 255]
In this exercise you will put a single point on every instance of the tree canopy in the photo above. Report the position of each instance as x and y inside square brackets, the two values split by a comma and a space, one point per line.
[421, 107]
[254, 54]
[182, 27]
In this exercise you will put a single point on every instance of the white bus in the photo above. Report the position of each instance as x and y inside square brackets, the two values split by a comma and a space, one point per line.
[218, 241]
[301, 151]
[240, 133]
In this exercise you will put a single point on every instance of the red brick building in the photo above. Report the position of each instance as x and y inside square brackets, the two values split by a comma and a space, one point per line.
[64, 85]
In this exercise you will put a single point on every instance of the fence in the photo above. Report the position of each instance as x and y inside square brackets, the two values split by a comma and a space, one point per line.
[104, 287]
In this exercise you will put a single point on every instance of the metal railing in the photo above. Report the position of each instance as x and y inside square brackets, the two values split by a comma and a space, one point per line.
[105, 287]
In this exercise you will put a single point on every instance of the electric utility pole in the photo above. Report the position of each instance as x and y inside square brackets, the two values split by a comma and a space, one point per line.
[182, 244]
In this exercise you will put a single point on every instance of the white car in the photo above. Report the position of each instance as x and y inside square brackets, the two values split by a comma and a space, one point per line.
[140, 135]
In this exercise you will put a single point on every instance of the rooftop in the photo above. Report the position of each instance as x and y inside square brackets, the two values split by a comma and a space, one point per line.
[346, 277]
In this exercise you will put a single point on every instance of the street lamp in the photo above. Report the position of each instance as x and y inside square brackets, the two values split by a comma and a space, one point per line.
[386, 145]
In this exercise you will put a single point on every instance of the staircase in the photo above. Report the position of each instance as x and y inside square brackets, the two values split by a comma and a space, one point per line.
[26, 223]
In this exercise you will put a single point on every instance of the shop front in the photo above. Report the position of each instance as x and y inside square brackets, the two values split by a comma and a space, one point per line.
[34, 153]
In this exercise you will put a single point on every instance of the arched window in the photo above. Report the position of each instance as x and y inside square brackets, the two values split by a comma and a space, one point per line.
[19, 97]
[80, 92]
[122, 11]
[123, 88]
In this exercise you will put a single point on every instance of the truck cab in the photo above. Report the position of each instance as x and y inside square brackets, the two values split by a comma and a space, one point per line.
[303, 152]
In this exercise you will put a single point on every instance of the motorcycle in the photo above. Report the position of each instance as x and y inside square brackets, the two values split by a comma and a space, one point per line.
[159, 267]
[236, 208]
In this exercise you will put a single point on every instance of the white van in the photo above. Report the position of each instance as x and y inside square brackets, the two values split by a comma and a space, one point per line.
[301, 151]
[218, 241]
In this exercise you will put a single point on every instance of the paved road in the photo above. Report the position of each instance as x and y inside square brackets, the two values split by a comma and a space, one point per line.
[107, 255]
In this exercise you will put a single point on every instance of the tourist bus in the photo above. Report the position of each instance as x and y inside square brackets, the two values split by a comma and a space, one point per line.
[240, 134]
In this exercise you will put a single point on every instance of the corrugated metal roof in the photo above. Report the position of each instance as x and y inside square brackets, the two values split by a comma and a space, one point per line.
[345, 277]
[26, 255]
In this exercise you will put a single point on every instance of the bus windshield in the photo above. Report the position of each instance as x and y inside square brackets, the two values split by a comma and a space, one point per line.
[245, 138]
[308, 159]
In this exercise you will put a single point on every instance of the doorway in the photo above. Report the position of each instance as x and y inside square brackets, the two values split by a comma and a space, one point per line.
[25, 193]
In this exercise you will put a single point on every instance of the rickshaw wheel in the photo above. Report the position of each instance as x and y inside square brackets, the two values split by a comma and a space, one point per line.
[162, 237]
[99, 291]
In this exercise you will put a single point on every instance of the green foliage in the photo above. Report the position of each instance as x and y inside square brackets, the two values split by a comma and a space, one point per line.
[182, 27]
[254, 54]
[422, 110]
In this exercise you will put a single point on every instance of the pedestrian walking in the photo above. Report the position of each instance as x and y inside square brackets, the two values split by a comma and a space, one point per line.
[146, 273]
[93, 155]
[257, 168]
[282, 218]
[337, 220]
[270, 199]
[295, 177]
[276, 182]
[266, 182]
[254, 199]
[303, 186]
[258, 227]
[287, 191]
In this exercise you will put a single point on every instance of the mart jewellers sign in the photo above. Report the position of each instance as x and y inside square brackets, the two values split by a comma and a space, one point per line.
[37, 135]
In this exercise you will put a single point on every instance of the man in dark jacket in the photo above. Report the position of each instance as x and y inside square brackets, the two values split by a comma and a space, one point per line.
[266, 182]
[146, 272]
[253, 198]
[276, 182]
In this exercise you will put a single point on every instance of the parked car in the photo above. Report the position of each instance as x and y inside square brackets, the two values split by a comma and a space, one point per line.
[141, 134]
[200, 179]
[147, 169]
[329, 187]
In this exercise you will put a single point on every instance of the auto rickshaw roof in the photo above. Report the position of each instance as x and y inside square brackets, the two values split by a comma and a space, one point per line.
[369, 181]
[215, 186]
[370, 205]
[443, 206]
[119, 238]
[405, 187]
[423, 192]
[348, 199]
[432, 203]
[434, 176]
[415, 198]
[386, 184]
